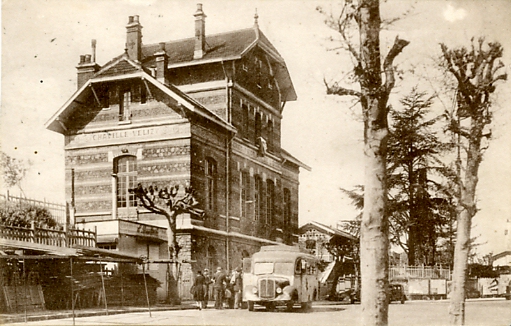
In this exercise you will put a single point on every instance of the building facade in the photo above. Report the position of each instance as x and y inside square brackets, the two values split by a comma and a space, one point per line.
[205, 112]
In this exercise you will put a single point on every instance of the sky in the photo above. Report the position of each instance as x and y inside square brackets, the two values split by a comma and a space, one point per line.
[42, 42]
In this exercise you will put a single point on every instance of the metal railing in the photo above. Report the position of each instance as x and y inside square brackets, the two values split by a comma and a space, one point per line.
[428, 272]
[57, 211]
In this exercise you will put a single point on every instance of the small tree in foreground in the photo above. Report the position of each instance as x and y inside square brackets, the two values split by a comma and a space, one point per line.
[166, 202]
[476, 71]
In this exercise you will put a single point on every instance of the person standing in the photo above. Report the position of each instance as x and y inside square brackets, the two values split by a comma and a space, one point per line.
[207, 291]
[219, 287]
[198, 289]
[238, 287]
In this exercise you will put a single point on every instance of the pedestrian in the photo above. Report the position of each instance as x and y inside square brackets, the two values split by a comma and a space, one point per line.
[237, 288]
[219, 287]
[198, 289]
[207, 292]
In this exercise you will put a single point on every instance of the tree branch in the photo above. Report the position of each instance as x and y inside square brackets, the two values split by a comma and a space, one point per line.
[335, 89]
[399, 45]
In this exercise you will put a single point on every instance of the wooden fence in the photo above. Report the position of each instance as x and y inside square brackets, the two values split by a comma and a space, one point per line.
[51, 237]
[58, 211]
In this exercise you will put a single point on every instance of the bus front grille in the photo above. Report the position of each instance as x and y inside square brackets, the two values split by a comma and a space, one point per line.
[267, 288]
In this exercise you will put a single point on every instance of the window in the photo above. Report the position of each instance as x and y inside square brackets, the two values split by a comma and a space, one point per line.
[126, 170]
[270, 135]
[257, 127]
[210, 183]
[124, 105]
[244, 186]
[143, 93]
[259, 199]
[287, 208]
[245, 122]
[211, 258]
[270, 193]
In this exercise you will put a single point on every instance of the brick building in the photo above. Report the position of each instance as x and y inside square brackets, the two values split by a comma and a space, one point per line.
[204, 111]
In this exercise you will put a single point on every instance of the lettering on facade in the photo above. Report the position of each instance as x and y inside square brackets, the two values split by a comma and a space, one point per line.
[123, 134]
[129, 135]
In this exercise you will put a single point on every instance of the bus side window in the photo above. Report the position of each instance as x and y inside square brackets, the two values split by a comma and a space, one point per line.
[247, 265]
[298, 266]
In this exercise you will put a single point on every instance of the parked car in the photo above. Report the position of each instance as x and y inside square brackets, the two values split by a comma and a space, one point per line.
[397, 293]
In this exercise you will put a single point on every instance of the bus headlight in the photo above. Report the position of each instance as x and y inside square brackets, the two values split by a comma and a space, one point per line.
[254, 290]
[278, 290]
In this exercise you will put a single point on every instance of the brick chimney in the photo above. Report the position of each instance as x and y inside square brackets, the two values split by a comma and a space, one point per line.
[87, 66]
[161, 63]
[134, 38]
[200, 33]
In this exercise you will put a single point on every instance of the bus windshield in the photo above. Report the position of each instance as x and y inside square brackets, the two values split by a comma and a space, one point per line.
[283, 268]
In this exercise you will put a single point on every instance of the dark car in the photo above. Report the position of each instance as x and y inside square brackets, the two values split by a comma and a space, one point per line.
[397, 293]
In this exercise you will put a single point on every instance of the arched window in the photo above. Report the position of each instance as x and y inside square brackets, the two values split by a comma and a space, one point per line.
[245, 122]
[270, 193]
[210, 171]
[287, 208]
[125, 168]
[259, 199]
[269, 141]
[244, 193]
[257, 126]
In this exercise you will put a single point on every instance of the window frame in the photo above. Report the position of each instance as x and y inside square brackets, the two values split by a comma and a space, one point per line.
[126, 178]
[210, 172]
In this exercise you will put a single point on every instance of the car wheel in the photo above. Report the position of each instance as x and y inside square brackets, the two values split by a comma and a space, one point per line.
[289, 305]
[251, 306]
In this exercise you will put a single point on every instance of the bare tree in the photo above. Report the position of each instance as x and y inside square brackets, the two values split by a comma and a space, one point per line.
[14, 171]
[476, 71]
[166, 202]
[376, 82]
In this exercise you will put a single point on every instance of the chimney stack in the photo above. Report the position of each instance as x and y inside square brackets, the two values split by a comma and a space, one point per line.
[200, 33]
[161, 63]
[87, 66]
[134, 38]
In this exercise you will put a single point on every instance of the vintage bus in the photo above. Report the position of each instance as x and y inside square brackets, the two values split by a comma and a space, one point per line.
[280, 275]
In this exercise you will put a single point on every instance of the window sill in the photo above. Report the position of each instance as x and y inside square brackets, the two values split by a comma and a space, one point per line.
[128, 122]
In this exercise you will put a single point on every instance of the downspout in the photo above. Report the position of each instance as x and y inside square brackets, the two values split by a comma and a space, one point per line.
[227, 174]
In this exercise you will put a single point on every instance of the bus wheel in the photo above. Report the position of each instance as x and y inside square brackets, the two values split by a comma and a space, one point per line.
[251, 306]
[289, 305]
[306, 306]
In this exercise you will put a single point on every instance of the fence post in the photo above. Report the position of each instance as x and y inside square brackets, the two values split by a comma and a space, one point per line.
[95, 236]
[66, 231]
[32, 231]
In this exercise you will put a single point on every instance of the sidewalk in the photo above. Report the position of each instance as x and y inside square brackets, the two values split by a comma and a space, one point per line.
[60, 314]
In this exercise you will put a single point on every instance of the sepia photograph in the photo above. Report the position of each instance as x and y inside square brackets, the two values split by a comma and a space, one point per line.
[255, 162]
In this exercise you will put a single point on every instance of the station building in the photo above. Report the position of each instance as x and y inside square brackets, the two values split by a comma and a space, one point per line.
[205, 111]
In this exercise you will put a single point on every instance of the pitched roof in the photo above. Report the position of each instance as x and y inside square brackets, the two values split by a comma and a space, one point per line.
[327, 229]
[288, 157]
[220, 47]
[122, 67]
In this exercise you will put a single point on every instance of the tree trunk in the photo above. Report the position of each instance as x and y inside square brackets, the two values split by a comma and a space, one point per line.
[374, 240]
[467, 210]
[173, 274]
[374, 243]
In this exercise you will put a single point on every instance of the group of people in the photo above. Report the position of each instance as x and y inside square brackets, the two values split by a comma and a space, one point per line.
[223, 287]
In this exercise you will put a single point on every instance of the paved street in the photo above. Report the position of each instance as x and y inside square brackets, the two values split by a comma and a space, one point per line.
[480, 312]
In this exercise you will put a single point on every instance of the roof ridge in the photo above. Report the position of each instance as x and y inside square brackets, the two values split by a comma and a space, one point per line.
[191, 38]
